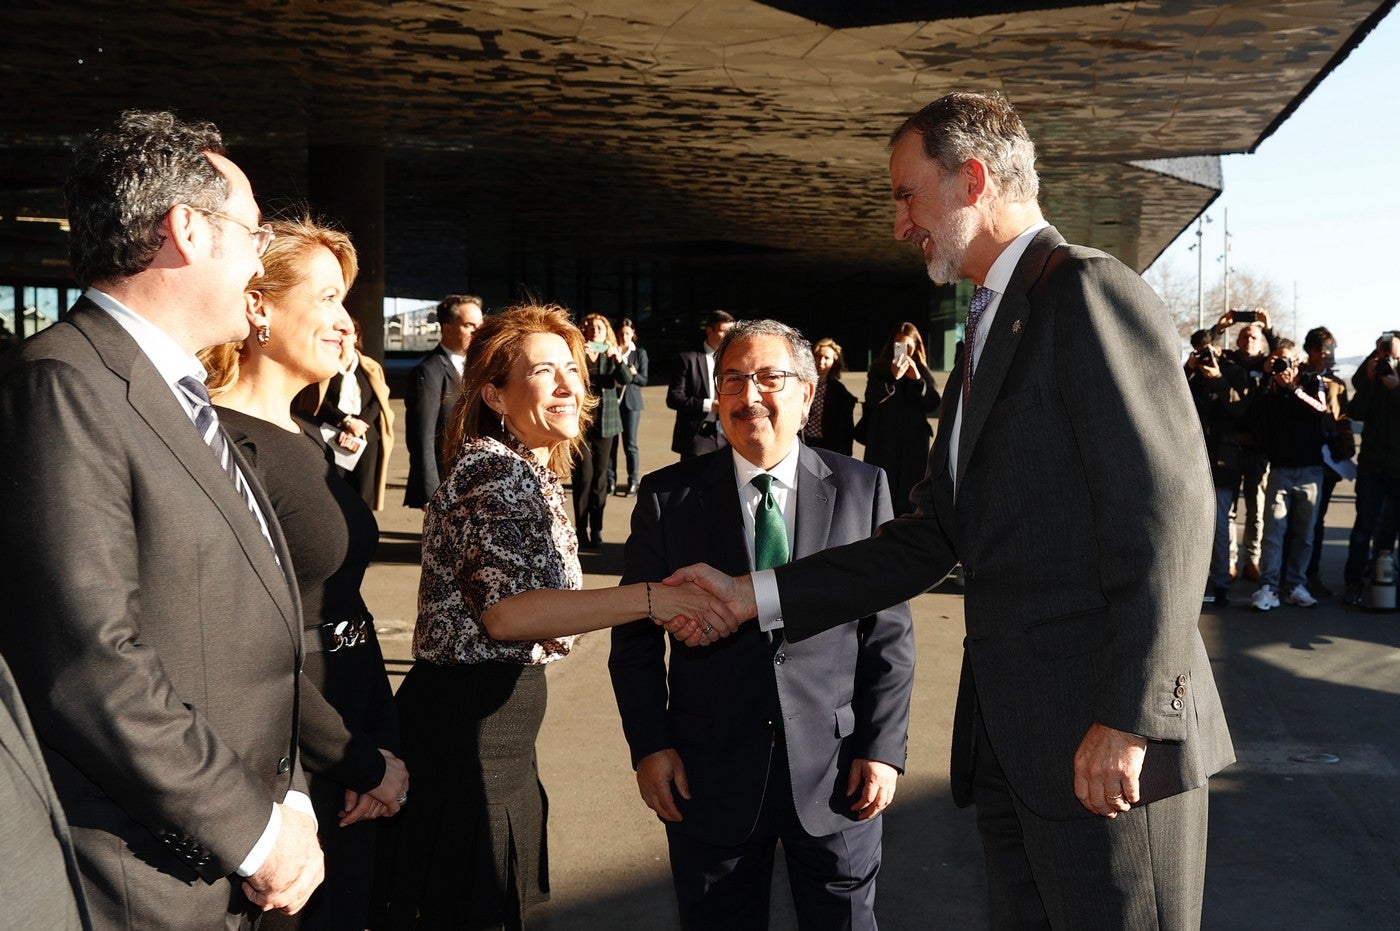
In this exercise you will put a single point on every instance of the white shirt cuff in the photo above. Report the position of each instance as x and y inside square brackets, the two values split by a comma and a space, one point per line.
[765, 597]
[258, 855]
[709, 405]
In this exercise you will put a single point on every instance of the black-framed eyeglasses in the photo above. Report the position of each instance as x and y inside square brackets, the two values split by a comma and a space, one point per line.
[767, 382]
[262, 235]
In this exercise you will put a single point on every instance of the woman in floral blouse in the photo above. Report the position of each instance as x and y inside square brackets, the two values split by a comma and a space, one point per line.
[499, 598]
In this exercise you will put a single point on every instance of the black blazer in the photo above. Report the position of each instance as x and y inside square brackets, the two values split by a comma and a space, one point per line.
[154, 636]
[844, 693]
[1083, 520]
[432, 390]
[695, 432]
[630, 395]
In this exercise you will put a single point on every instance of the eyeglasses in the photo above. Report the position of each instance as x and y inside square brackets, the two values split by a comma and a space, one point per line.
[767, 382]
[262, 235]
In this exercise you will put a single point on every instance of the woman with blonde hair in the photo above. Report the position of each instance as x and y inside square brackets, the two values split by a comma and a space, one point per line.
[499, 600]
[607, 370]
[900, 393]
[831, 421]
[349, 730]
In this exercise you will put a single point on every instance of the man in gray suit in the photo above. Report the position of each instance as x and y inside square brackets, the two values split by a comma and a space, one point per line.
[148, 613]
[756, 740]
[39, 884]
[432, 390]
[1069, 478]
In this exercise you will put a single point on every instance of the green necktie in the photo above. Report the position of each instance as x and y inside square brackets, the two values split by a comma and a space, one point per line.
[770, 543]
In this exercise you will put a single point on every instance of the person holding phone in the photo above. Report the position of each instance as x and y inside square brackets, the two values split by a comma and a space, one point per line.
[899, 395]
[607, 369]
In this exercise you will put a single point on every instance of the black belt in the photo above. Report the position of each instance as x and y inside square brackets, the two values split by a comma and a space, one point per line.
[341, 635]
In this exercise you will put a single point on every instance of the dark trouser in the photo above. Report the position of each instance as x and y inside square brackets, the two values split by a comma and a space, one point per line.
[591, 483]
[727, 888]
[1329, 484]
[1374, 490]
[1144, 869]
[631, 422]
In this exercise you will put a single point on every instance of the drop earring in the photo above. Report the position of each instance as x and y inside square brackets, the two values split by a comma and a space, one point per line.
[264, 333]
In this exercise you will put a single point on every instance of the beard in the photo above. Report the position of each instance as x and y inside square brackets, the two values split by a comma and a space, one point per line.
[949, 241]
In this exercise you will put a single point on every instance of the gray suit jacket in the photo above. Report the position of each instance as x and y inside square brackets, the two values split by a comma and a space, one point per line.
[153, 634]
[838, 696]
[39, 884]
[1083, 521]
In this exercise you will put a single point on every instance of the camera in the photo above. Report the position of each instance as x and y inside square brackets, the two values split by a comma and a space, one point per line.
[1279, 365]
[1385, 367]
[1205, 355]
[1386, 343]
[1245, 316]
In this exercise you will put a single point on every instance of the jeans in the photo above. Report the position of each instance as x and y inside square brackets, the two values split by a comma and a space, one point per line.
[1220, 552]
[1255, 473]
[1292, 497]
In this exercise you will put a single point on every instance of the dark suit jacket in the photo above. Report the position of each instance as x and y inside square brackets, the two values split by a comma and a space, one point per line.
[432, 390]
[39, 884]
[841, 695]
[152, 632]
[630, 398]
[695, 432]
[1083, 521]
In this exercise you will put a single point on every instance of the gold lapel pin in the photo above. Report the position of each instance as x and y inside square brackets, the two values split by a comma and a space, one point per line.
[1016, 326]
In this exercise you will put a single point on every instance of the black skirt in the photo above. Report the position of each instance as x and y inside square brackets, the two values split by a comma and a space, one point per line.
[472, 851]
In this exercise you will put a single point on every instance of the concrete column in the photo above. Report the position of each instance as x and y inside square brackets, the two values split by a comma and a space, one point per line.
[346, 185]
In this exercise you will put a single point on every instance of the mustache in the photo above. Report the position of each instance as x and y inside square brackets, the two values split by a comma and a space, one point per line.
[752, 412]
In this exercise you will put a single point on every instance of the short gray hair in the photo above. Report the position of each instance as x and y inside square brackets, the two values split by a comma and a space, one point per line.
[958, 127]
[798, 347]
[124, 180]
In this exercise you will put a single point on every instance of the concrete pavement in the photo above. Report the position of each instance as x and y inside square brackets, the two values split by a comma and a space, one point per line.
[1294, 842]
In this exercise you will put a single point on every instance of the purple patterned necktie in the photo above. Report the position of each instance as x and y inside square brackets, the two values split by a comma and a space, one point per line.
[981, 300]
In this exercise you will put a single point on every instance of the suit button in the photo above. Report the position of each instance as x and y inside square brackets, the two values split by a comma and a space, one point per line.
[284, 766]
[969, 574]
[1178, 704]
[1180, 680]
[1180, 691]
[780, 659]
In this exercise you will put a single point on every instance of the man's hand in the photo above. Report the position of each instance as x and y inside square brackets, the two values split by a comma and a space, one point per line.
[692, 614]
[293, 869]
[359, 807]
[655, 774]
[736, 593]
[1106, 769]
[876, 783]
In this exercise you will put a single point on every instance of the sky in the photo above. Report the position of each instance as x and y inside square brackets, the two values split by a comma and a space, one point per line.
[1318, 204]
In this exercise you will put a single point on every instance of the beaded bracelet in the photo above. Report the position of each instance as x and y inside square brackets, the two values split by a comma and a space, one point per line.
[649, 617]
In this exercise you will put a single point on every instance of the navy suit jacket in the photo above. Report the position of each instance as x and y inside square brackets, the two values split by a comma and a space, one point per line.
[838, 696]
[695, 432]
[432, 390]
[1083, 518]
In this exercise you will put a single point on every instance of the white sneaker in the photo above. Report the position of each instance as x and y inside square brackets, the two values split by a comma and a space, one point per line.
[1300, 596]
[1265, 599]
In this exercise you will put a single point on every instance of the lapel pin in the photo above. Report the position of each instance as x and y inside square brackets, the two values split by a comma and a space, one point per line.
[1016, 326]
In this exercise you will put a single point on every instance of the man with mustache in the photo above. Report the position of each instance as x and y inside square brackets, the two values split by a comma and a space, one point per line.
[1069, 478]
[755, 740]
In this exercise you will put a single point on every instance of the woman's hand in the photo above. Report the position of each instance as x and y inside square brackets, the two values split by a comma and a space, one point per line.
[899, 365]
[691, 614]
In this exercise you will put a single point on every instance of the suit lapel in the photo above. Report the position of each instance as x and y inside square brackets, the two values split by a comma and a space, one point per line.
[1005, 335]
[154, 402]
[816, 503]
[721, 517]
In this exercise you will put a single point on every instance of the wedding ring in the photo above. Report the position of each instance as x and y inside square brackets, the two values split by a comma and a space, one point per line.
[708, 628]
[402, 797]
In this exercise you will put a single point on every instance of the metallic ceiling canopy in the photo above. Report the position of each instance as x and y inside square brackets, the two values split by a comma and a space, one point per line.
[706, 129]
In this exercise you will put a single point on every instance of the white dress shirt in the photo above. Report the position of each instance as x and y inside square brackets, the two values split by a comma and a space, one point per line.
[784, 489]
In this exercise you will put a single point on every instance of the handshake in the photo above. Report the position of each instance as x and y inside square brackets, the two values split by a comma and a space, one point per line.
[699, 604]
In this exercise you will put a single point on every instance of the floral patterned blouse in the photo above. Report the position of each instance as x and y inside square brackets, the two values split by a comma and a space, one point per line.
[496, 527]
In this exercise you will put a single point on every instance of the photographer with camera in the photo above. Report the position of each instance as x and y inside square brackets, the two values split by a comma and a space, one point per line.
[1377, 405]
[1217, 390]
[1289, 420]
[1253, 344]
[1321, 349]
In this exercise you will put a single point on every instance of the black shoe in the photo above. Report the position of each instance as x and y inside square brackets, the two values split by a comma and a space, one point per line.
[629, 491]
[1317, 588]
[1221, 596]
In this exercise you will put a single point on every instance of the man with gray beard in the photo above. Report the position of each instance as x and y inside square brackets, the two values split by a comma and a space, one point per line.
[1069, 477]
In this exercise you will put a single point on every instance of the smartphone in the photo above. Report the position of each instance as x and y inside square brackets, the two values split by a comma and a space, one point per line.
[597, 346]
[900, 349]
[1246, 316]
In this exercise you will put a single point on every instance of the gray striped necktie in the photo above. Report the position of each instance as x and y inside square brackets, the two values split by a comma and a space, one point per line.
[206, 421]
